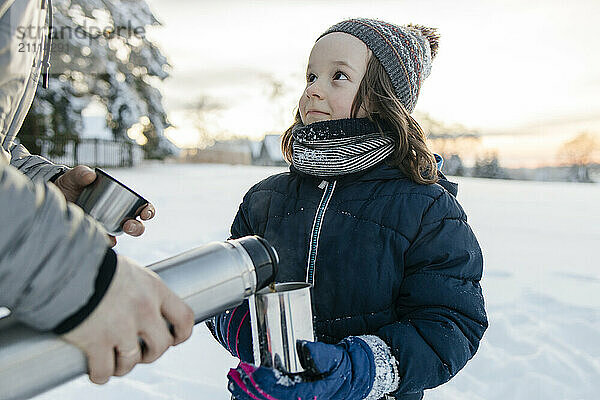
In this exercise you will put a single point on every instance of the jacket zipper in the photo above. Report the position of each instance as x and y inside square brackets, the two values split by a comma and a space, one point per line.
[316, 228]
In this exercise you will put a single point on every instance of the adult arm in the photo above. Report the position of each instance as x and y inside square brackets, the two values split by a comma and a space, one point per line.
[56, 272]
[50, 251]
[35, 167]
[71, 182]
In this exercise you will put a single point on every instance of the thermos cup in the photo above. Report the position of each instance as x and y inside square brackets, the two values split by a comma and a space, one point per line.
[110, 202]
[278, 320]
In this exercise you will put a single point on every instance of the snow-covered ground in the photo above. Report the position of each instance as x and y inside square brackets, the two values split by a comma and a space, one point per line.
[541, 284]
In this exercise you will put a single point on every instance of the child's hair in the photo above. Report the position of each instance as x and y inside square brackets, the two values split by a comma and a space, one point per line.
[411, 154]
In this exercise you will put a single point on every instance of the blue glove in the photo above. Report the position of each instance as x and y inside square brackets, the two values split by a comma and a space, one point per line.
[332, 372]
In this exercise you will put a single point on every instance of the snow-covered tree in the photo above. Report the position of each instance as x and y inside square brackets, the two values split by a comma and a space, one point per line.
[488, 166]
[100, 51]
[453, 165]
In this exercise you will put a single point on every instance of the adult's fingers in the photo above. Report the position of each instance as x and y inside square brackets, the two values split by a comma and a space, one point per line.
[157, 340]
[101, 364]
[72, 182]
[148, 212]
[180, 315]
[126, 356]
[83, 175]
[133, 227]
[113, 240]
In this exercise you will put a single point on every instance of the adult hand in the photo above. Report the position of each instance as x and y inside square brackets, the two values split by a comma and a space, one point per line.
[332, 372]
[72, 182]
[134, 307]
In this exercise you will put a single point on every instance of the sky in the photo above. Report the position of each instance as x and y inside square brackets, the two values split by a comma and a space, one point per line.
[525, 75]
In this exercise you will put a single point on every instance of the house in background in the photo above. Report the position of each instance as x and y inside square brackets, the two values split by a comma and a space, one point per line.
[266, 152]
[237, 151]
[270, 152]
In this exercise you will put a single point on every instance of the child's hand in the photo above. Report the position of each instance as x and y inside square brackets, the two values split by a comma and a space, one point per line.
[72, 182]
[332, 372]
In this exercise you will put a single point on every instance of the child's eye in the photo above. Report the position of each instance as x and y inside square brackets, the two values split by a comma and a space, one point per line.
[337, 75]
[340, 73]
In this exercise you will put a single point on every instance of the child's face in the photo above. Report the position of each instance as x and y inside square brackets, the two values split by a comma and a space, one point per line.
[336, 66]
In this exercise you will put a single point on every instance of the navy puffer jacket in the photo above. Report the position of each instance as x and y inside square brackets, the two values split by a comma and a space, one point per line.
[386, 256]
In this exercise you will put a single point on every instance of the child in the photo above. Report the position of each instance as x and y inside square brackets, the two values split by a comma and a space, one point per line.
[366, 217]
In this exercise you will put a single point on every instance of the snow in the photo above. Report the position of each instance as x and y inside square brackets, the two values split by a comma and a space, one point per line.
[541, 285]
[386, 371]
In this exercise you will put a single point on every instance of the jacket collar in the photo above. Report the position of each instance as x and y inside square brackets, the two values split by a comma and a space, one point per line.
[381, 171]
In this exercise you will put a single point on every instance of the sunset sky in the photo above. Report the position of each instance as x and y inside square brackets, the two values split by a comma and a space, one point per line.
[525, 75]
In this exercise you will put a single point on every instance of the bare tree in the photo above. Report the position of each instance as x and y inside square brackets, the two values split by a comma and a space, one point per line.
[277, 91]
[463, 145]
[449, 140]
[580, 153]
[200, 111]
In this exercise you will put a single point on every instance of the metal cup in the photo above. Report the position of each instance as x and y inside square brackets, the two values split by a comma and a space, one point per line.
[110, 202]
[278, 320]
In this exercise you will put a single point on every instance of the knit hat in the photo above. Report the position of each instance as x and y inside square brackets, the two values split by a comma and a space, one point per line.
[405, 52]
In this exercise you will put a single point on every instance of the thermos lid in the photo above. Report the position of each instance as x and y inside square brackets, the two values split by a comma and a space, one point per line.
[264, 257]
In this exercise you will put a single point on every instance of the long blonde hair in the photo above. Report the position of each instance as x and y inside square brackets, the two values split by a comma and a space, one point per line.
[376, 94]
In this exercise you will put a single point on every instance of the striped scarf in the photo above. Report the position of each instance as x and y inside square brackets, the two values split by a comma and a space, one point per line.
[339, 147]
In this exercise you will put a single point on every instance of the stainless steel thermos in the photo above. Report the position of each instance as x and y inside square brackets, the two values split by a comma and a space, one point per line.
[210, 279]
[220, 275]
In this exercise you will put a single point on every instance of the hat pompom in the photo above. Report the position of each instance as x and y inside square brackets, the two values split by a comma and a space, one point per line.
[431, 34]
